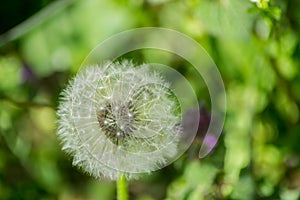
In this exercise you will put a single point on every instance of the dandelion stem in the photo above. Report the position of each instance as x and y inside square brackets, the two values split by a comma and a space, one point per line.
[122, 191]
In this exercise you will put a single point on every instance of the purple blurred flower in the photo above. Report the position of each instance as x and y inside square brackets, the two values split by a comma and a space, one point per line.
[191, 122]
[210, 141]
[28, 76]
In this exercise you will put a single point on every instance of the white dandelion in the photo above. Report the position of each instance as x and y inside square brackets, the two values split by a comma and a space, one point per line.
[119, 118]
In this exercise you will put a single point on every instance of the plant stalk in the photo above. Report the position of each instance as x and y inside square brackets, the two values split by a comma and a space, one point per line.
[122, 191]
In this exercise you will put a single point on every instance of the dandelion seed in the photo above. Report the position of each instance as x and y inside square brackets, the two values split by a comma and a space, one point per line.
[118, 117]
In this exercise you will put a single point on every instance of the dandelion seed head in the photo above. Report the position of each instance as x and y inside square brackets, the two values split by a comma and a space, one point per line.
[118, 117]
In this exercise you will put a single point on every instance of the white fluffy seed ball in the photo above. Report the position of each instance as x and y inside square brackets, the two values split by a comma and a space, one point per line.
[119, 118]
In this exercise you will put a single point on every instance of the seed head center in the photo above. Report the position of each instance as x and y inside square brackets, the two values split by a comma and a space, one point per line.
[116, 120]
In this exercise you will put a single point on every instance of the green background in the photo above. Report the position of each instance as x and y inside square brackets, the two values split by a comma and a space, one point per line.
[256, 46]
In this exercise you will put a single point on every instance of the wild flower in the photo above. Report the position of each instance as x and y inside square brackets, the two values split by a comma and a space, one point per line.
[119, 118]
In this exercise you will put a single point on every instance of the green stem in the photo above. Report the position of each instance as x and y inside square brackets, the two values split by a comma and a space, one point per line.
[122, 191]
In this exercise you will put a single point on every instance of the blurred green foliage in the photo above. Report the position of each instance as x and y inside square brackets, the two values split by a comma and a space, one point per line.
[256, 46]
